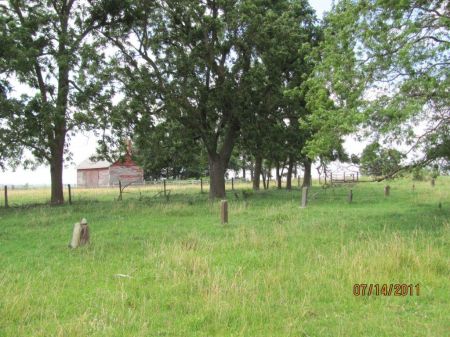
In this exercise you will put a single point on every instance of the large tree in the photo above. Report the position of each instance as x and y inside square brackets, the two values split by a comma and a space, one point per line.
[190, 58]
[47, 53]
[385, 65]
[194, 64]
[269, 130]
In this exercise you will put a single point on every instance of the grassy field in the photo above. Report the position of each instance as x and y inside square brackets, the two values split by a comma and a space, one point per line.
[274, 270]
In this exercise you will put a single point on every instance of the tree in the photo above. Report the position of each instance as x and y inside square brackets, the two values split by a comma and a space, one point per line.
[378, 161]
[286, 35]
[194, 64]
[385, 66]
[48, 48]
[190, 57]
[167, 151]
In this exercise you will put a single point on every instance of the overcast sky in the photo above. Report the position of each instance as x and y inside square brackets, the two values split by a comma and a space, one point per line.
[84, 145]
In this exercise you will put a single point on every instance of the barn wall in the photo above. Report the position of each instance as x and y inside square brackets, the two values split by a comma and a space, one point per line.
[81, 178]
[103, 177]
[93, 177]
[126, 172]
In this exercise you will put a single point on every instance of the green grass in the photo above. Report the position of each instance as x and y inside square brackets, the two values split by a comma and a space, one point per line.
[274, 270]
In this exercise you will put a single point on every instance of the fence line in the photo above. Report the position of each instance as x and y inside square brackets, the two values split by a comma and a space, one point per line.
[22, 195]
[14, 195]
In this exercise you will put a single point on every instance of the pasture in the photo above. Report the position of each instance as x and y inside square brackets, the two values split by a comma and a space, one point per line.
[274, 270]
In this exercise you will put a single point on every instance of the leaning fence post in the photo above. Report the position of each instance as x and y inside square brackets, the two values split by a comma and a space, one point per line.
[304, 196]
[350, 196]
[120, 190]
[70, 194]
[224, 212]
[6, 197]
[387, 190]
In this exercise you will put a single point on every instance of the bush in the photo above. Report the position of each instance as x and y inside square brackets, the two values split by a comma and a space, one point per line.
[378, 161]
[418, 174]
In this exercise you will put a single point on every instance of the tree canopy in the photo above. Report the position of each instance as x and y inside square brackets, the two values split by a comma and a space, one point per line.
[384, 66]
[48, 48]
[205, 66]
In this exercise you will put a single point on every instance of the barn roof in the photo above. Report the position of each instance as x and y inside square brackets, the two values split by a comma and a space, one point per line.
[89, 164]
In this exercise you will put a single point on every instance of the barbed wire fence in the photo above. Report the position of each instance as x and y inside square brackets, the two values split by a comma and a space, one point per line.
[167, 190]
[26, 195]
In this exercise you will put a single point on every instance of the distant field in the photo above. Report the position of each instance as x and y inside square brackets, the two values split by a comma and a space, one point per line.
[274, 270]
[22, 196]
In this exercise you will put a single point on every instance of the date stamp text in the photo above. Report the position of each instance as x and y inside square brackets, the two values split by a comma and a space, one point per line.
[392, 289]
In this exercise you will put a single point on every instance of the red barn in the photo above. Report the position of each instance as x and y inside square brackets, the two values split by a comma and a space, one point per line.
[103, 173]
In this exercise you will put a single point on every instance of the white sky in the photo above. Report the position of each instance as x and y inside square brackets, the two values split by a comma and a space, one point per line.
[83, 145]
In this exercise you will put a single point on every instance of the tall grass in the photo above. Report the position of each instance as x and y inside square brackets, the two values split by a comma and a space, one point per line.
[274, 270]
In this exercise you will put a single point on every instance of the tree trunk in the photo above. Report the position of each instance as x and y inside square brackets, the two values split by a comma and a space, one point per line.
[257, 174]
[278, 176]
[264, 179]
[289, 174]
[219, 160]
[216, 177]
[307, 180]
[269, 175]
[58, 137]
[56, 169]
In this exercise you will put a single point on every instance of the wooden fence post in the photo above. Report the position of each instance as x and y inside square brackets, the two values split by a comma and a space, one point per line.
[331, 178]
[201, 185]
[120, 190]
[164, 182]
[70, 194]
[304, 196]
[232, 184]
[6, 197]
[414, 187]
[357, 176]
[350, 196]
[224, 212]
[387, 190]
[298, 181]
[433, 181]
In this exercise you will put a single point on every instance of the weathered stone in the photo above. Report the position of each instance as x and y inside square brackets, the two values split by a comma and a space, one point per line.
[75, 242]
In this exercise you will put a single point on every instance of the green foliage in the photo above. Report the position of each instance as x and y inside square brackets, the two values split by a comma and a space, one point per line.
[218, 70]
[287, 36]
[435, 172]
[379, 161]
[384, 65]
[166, 151]
[49, 49]
[418, 174]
